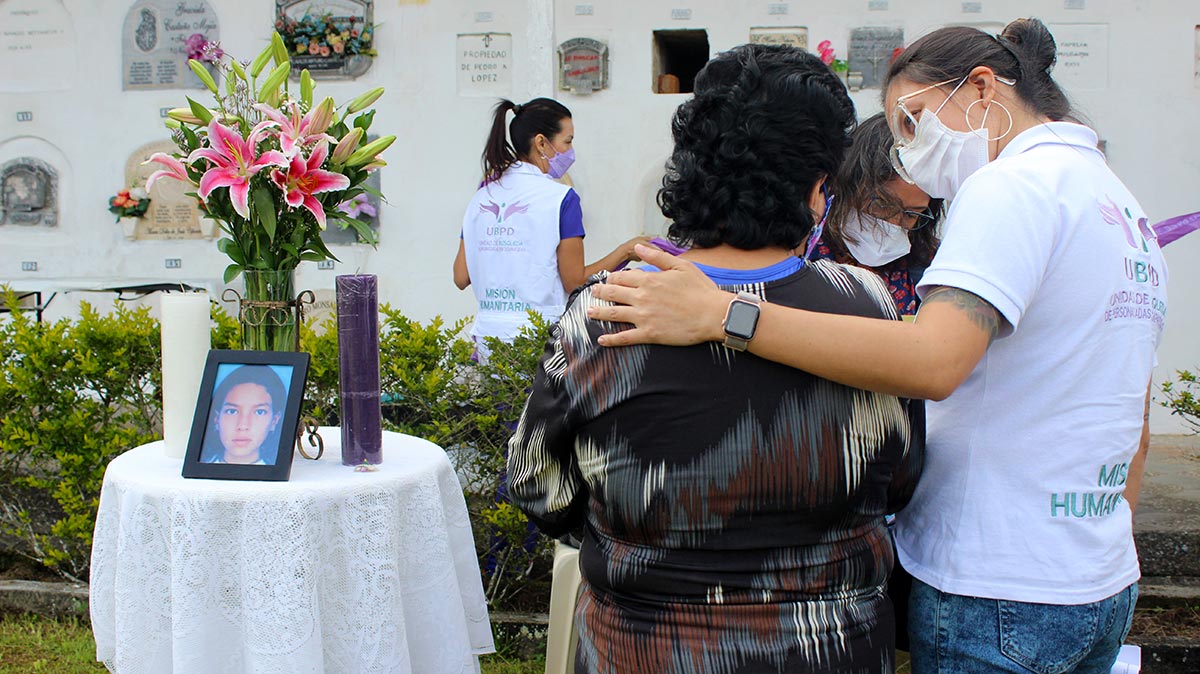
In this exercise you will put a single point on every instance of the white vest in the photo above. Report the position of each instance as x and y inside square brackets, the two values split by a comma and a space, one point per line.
[511, 235]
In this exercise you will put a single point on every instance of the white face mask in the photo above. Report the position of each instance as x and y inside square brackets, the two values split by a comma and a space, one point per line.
[939, 159]
[878, 241]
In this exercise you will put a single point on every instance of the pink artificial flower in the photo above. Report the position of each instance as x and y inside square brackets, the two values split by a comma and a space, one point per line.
[324, 50]
[314, 48]
[175, 169]
[235, 161]
[359, 205]
[303, 179]
[295, 131]
[825, 45]
[339, 47]
[827, 57]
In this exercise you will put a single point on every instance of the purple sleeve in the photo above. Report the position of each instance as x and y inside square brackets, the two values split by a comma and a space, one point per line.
[570, 217]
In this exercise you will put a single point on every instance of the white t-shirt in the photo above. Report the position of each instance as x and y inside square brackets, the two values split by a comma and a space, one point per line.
[511, 235]
[1020, 498]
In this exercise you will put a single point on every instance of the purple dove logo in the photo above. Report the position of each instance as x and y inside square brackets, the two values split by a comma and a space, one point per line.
[1135, 235]
[508, 210]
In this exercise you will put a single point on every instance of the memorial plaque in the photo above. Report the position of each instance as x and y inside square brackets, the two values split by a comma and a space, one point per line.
[1196, 75]
[484, 64]
[333, 39]
[871, 50]
[793, 36]
[37, 46]
[364, 207]
[582, 65]
[1082, 56]
[28, 193]
[155, 43]
[172, 214]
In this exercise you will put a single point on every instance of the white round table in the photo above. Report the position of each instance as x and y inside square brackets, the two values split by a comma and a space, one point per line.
[332, 572]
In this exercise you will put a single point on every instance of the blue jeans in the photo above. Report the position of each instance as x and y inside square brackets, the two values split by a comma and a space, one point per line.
[953, 634]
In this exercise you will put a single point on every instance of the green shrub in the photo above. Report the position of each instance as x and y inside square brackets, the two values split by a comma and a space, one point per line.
[1183, 398]
[75, 394]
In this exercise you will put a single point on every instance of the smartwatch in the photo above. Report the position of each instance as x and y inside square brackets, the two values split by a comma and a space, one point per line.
[741, 320]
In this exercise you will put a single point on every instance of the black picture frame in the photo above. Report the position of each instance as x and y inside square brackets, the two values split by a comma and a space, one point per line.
[247, 383]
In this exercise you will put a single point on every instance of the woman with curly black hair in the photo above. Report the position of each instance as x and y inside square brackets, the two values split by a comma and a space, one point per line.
[732, 508]
[878, 221]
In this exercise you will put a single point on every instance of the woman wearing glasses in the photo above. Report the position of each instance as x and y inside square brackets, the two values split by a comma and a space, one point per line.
[1042, 311]
[878, 221]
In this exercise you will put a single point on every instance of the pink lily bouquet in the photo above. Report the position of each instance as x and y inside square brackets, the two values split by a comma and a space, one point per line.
[269, 166]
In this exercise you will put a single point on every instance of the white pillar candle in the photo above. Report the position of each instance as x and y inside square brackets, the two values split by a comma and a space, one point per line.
[185, 344]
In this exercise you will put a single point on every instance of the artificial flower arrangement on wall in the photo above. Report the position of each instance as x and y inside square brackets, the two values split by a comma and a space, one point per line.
[129, 205]
[328, 45]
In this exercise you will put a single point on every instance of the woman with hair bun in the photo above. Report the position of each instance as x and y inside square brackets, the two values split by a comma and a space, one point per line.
[522, 233]
[732, 508]
[1035, 342]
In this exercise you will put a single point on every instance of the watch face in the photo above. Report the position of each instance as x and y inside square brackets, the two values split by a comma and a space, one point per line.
[742, 319]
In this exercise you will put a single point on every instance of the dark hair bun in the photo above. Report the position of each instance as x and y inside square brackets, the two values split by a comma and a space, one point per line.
[1034, 41]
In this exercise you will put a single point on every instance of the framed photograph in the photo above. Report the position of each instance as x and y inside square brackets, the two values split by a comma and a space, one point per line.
[246, 416]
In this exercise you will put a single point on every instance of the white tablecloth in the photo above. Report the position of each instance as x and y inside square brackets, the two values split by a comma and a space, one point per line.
[332, 572]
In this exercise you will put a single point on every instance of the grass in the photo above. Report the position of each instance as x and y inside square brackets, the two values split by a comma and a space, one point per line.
[30, 645]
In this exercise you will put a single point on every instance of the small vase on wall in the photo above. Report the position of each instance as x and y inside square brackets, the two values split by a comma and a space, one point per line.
[129, 227]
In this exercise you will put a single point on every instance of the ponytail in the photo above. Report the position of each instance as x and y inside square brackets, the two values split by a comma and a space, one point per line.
[498, 154]
[541, 116]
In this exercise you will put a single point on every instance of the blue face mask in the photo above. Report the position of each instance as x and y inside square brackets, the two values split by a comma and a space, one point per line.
[560, 162]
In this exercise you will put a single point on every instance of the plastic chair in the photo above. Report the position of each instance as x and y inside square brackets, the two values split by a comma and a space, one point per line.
[561, 638]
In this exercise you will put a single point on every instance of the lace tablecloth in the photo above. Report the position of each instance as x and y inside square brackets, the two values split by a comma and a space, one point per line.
[332, 572]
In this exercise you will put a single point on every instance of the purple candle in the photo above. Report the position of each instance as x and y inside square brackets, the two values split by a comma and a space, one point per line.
[358, 368]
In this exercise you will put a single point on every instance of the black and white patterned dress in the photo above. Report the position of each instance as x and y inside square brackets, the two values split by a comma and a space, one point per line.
[732, 508]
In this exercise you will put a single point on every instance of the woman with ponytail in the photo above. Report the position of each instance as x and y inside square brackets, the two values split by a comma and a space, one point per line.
[1035, 341]
[522, 233]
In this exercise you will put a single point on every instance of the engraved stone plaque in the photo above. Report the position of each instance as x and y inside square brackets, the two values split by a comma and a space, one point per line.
[155, 46]
[172, 214]
[333, 39]
[793, 36]
[871, 50]
[1082, 55]
[37, 46]
[582, 65]
[28, 193]
[484, 64]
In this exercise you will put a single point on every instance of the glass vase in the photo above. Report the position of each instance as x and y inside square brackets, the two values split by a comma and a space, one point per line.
[268, 316]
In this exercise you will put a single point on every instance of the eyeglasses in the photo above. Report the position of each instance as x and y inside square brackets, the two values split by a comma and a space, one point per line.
[911, 220]
[904, 123]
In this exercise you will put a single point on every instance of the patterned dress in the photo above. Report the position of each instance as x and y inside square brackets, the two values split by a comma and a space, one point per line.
[732, 508]
[901, 276]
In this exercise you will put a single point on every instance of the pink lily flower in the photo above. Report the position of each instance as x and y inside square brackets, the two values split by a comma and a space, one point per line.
[234, 162]
[303, 179]
[174, 169]
[294, 130]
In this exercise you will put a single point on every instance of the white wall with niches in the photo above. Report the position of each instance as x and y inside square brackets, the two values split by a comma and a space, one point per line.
[1138, 85]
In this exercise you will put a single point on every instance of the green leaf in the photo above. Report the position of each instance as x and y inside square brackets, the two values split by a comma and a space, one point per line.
[231, 272]
[364, 120]
[193, 140]
[312, 256]
[372, 191]
[264, 207]
[364, 231]
[202, 113]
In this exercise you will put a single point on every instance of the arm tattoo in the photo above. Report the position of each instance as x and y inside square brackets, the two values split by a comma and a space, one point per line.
[982, 314]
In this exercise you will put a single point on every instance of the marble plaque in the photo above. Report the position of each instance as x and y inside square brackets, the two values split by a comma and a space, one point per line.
[154, 43]
[37, 46]
[871, 51]
[28, 193]
[364, 207]
[332, 39]
[1082, 56]
[484, 64]
[793, 36]
[582, 65]
[172, 214]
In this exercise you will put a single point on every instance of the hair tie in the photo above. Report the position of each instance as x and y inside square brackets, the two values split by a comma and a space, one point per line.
[517, 109]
